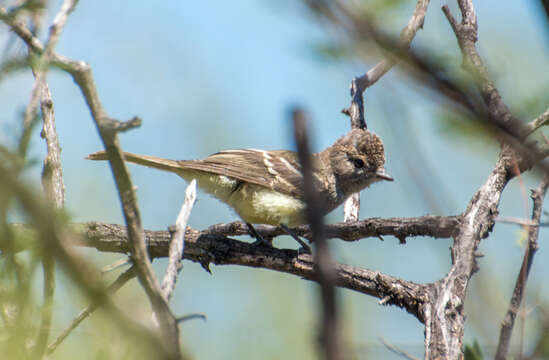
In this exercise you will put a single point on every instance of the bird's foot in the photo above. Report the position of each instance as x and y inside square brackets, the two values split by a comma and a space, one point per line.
[304, 249]
[259, 240]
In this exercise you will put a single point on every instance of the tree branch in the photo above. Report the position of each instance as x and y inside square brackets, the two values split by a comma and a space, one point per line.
[445, 317]
[114, 287]
[432, 226]
[107, 128]
[177, 243]
[406, 36]
[324, 263]
[531, 247]
[206, 248]
[538, 122]
[351, 207]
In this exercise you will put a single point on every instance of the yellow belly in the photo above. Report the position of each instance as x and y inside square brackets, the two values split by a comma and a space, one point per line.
[253, 203]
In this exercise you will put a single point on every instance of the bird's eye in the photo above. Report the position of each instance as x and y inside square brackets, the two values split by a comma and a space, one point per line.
[358, 163]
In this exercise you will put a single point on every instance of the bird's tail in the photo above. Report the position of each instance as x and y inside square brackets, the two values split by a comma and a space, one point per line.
[150, 161]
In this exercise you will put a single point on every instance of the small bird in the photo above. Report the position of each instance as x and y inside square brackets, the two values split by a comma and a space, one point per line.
[266, 186]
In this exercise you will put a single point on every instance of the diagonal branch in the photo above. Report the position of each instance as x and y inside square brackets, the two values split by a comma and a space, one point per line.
[114, 287]
[538, 122]
[518, 293]
[406, 36]
[177, 243]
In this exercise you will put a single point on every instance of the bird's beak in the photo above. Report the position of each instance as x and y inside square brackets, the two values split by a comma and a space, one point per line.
[381, 174]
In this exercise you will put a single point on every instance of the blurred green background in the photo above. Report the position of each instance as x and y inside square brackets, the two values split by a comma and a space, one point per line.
[208, 76]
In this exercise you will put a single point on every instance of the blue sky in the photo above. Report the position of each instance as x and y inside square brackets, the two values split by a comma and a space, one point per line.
[211, 75]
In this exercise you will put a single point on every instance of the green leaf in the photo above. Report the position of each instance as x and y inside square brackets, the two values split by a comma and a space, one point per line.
[473, 352]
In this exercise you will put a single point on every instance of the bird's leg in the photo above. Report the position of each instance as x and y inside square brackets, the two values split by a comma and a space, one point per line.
[259, 240]
[305, 249]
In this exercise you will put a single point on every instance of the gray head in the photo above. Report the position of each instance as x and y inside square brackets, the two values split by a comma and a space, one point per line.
[357, 160]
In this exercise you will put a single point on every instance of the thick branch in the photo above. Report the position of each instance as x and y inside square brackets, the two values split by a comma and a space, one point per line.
[432, 226]
[206, 248]
[445, 317]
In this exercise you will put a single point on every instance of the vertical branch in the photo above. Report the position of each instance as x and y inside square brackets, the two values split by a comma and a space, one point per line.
[325, 271]
[177, 243]
[351, 207]
[108, 129]
[518, 293]
[52, 177]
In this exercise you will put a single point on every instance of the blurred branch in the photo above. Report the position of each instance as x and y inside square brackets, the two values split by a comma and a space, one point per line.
[406, 36]
[205, 248]
[52, 177]
[107, 128]
[324, 263]
[396, 350]
[531, 247]
[114, 287]
[177, 243]
[55, 238]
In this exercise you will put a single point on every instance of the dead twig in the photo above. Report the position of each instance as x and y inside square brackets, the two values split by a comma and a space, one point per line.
[518, 292]
[177, 244]
[114, 287]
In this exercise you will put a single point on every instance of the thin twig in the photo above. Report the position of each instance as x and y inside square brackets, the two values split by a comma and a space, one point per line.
[397, 350]
[538, 122]
[519, 221]
[187, 317]
[518, 292]
[406, 36]
[324, 263]
[115, 265]
[114, 287]
[351, 207]
[177, 244]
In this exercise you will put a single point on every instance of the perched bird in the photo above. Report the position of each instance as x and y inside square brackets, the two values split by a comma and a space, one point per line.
[266, 186]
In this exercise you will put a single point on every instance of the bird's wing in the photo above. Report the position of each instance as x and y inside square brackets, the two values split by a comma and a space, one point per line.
[277, 170]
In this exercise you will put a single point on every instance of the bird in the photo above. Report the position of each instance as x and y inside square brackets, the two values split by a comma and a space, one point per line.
[266, 186]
